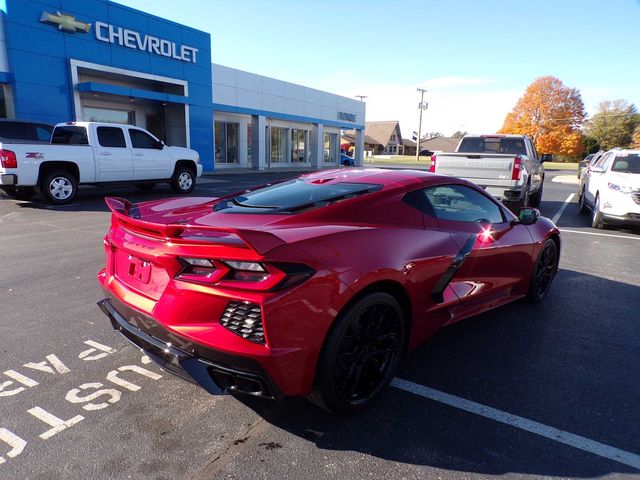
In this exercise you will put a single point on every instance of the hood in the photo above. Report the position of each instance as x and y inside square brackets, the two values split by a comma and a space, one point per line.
[628, 179]
[183, 153]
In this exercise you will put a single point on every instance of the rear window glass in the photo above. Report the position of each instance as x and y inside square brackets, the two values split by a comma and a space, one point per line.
[629, 163]
[294, 195]
[70, 135]
[16, 131]
[512, 146]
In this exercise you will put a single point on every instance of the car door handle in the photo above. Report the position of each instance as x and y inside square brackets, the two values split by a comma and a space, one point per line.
[138, 154]
[106, 154]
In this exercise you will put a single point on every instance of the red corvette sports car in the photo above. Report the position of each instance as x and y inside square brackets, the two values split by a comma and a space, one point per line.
[316, 286]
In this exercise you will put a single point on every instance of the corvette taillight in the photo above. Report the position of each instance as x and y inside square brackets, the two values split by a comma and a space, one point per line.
[244, 275]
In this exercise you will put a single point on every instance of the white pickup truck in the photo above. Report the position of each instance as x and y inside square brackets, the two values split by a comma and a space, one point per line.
[506, 166]
[94, 153]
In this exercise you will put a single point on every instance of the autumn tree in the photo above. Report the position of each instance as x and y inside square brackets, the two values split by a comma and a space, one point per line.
[635, 139]
[613, 124]
[551, 114]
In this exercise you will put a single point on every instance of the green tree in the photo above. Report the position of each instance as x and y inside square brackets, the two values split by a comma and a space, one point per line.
[590, 144]
[458, 134]
[613, 124]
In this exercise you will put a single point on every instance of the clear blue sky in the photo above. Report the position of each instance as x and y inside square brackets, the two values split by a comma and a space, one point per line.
[476, 55]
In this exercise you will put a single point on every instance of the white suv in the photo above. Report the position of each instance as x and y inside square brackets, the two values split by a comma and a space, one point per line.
[611, 189]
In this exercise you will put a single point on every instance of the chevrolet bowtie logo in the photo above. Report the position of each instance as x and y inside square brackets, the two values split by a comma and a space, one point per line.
[66, 23]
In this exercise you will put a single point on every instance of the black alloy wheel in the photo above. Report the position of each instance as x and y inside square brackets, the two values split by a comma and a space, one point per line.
[361, 354]
[544, 271]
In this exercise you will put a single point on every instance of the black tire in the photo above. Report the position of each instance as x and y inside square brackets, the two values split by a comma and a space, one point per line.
[183, 180]
[19, 193]
[145, 187]
[544, 272]
[536, 198]
[582, 202]
[59, 187]
[360, 355]
[596, 215]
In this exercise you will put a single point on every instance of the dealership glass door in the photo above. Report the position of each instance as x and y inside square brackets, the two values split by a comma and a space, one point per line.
[278, 145]
[331, 147]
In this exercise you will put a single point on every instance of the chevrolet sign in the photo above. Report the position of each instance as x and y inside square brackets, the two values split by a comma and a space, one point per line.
[66, 23]
[348, 117]
[143, 42]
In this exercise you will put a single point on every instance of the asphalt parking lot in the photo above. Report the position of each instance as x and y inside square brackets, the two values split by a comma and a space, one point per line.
[523, 391]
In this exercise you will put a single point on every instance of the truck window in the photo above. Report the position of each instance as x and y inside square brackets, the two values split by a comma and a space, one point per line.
[140, 139]
[70, 135]
[16, 131]
[459, 203]
[506, 145]
[43, 133]
[112, 137]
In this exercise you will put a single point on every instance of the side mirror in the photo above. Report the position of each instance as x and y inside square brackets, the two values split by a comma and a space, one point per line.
[528, 215]
[598, 169]
[547, 157]
[160, 145]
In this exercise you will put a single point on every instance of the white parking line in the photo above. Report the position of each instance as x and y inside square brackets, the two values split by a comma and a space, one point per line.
[557, 216]
[564, 230]
[576, 441]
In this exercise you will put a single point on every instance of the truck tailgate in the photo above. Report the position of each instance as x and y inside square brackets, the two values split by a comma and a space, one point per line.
[476, 167]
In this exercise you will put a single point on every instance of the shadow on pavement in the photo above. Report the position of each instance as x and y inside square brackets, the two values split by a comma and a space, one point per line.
[570, 363]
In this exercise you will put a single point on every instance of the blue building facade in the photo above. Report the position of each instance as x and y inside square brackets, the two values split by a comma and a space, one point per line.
[95, 60]
[68, 59]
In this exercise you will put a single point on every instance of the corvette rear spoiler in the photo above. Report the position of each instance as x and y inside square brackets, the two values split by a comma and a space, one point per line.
[128, 216]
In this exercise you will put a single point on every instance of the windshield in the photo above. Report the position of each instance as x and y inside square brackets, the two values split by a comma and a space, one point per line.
[628, 163]
[507, 145]
[294, 195]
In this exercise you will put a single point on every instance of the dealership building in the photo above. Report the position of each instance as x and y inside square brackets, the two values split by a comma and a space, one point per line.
[95, 60]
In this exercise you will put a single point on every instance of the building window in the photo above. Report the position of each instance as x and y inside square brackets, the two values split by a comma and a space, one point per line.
[226, 142]
[107, 115]
[278, 145]
[331, 147]
[3, 102]
[393, 137]
[298, 145]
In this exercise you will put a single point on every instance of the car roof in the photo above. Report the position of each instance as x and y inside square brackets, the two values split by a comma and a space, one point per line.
[382, 176]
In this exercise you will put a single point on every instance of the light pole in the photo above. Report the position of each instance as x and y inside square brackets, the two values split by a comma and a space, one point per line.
[421, 107]
[361, 97]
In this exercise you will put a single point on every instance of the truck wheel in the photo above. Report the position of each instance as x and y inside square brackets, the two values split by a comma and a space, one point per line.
[19, 193]
[145, 187]
[183, 180]
[536, 198]
[59, 187]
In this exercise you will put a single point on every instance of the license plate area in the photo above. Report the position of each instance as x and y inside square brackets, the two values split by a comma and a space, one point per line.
[141, 274]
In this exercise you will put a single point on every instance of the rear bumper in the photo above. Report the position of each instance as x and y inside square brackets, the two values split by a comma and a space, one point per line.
[8, 179]
[216, 372]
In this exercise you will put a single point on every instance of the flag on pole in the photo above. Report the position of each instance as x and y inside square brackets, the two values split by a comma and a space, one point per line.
[415, 136]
